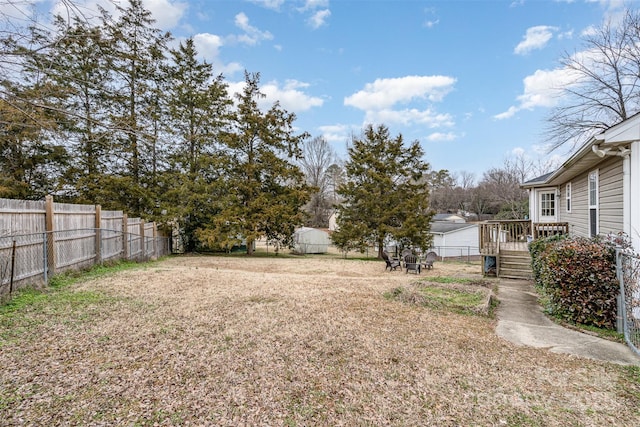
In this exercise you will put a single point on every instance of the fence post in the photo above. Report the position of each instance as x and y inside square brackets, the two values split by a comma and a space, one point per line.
[621, 316]
[143, 243]
[13, 266]
[49, 226]
[125, 236]
[155, 240]
[98, 231]
[44, 257]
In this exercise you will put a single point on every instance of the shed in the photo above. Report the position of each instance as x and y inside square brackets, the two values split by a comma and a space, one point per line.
[307, 240]
[455, 240]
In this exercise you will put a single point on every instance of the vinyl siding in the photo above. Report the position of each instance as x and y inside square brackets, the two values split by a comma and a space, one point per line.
[577, 218]
[610, 197]
[610, 200]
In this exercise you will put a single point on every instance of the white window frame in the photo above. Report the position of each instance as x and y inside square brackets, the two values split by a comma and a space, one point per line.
[593, 202]
[545, 209]
[567, 196]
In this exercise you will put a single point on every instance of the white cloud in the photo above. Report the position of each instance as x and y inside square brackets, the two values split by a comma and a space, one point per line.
[535, 38]
[439, 136]
[166, 13]
[384, 93]
[428, 117]
[208, 47]
[319, 18]
[252, 35]
[291, 96]
[518, 151]
[511, 111]
[431, 24]
[541, 89]
[379, 99]
[314, 4]
[336, 133]
[589, 31]
[269, 4]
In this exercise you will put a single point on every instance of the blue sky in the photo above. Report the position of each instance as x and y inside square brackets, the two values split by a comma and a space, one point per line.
[470, 80]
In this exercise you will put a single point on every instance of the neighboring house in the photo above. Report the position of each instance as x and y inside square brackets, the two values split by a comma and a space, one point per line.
[333, 221]
[455, 239]
[448, 218]
[597, 190]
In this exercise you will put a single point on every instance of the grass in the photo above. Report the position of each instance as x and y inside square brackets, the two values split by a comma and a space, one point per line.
[263, 341]
[449, 298]
[608, 334]
[29, 308]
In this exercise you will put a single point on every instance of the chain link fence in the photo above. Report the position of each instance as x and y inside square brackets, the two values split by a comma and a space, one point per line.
[34, 258]
[628, 269]
[457, 253]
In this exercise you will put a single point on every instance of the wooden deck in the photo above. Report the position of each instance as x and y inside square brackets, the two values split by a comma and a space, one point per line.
[505, 245]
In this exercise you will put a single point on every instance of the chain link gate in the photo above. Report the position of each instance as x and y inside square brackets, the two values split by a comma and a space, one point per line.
[628, 270]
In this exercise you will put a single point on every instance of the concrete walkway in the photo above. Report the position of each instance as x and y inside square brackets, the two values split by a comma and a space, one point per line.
[521, 321]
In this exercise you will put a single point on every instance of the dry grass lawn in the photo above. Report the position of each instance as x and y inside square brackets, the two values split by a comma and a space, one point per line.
[289, 341]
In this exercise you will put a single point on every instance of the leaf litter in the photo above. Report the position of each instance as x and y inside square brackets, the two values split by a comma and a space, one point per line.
[290, 341]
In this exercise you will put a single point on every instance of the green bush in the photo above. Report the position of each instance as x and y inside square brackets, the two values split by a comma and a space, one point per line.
[577, 279]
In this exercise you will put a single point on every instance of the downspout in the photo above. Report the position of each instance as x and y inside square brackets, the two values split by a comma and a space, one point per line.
[632, 204]
[626, 194]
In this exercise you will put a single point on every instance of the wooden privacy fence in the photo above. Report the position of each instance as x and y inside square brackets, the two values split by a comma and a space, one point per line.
[41, 238]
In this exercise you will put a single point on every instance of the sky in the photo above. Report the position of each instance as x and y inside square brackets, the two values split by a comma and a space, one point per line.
[471, 80]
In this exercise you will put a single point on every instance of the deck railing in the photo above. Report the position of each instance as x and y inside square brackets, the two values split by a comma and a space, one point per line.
[505, 234]
[515, 234]
[546, 229]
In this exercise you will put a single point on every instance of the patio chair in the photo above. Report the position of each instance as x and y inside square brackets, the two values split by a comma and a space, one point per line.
[411, 264]
[429, 258]
[405, 252]
[392, 264]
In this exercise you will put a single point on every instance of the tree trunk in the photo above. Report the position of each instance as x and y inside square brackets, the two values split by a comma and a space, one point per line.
[250, 246]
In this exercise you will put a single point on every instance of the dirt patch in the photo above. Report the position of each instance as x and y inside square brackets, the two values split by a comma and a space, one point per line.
[290, 341]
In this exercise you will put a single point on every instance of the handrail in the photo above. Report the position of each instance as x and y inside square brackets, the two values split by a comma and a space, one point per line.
[546, 229]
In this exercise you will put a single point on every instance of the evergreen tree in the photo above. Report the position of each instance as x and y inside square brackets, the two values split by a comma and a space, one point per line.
[77, 64]
[198, 107]
[384, 196]
[29, 160]
[136, 50]
[264, 190]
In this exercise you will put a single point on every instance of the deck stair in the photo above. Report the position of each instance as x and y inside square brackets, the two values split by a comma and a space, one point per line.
[515, 265]
[505, 244]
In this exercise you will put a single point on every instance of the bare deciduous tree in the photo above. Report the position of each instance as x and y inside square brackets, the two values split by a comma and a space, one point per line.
[317, 158]
[604, 82]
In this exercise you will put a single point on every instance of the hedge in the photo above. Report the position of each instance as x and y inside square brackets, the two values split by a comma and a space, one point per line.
[577, 278]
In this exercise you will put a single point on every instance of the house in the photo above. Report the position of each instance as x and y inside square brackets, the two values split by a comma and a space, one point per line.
[597, 190]
[333, 221]
[445, 217]
[452, 239]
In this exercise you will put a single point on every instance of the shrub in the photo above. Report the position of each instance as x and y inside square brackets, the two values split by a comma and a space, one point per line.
[577, 279]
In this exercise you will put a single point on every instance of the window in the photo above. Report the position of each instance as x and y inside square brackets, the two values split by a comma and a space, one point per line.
[567, 191]
[547, 204]
[593, 203]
